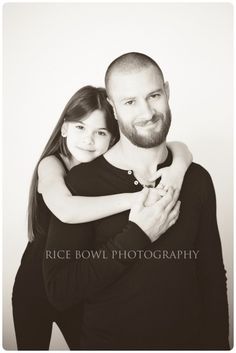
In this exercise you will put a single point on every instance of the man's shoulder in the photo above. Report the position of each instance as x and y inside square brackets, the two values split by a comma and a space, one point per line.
[198, 177]
[198, 170]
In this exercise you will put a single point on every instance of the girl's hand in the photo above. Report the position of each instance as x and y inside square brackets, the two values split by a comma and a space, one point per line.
[174, 174]
[154, 195]
[170, 176]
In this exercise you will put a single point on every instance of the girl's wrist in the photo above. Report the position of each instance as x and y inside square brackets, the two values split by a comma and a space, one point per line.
[180, 164]
[131, 199]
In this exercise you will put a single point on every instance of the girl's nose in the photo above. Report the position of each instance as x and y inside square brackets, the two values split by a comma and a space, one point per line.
[88, 139]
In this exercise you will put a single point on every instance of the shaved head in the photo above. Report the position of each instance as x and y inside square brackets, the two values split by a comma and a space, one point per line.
[128, 63]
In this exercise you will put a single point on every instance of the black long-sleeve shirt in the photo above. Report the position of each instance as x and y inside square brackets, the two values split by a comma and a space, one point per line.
[169, 301]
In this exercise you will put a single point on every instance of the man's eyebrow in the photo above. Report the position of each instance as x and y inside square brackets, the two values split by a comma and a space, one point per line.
[127, 98]
[158, 90]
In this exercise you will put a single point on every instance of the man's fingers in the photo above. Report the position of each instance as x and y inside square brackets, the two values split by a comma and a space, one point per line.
[172, 222]
[176, 194]
[171, 204]
[166, 199]
[174, 214]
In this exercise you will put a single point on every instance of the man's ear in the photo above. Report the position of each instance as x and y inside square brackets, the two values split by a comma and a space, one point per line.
[113, 107]
[64, 129]
[167, 89]
[109, 101]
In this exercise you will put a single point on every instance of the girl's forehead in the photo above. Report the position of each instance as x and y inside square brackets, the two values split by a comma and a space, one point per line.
[96, 119]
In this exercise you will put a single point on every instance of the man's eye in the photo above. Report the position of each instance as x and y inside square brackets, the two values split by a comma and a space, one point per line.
[101, 133]
[155, 96]
[80, 127]
[131, 102]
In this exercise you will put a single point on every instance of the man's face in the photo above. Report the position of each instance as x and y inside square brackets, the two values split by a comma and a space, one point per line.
[140, 102]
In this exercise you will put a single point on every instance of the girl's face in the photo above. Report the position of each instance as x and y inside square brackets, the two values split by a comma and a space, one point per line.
[88, 138]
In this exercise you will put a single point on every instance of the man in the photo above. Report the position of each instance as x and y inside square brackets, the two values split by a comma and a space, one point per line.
[156, 286]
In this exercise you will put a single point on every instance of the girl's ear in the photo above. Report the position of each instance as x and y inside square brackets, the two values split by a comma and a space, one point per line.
[64, 129]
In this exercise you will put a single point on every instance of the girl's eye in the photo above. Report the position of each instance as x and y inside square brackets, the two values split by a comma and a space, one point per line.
[101, 133]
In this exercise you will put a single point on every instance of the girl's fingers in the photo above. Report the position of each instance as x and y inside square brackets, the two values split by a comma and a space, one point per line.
[156, 175]
[166, 188]
[161, 192]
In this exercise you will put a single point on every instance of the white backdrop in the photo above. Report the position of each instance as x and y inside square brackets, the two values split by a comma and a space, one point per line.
[52, 49]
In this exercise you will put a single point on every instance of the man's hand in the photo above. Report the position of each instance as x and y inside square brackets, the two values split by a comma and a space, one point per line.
[154, 220]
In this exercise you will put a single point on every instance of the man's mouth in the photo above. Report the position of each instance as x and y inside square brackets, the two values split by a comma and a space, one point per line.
[149, 123]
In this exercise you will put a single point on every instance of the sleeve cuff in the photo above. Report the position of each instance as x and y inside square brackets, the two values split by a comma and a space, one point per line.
[132, 238]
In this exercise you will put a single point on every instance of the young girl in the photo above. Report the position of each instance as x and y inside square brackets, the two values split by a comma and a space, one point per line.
[85, 130]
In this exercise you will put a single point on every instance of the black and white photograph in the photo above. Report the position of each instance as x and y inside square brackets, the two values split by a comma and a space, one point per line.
[117, 176]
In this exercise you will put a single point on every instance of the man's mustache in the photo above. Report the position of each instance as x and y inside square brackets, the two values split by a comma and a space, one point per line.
[153, 120]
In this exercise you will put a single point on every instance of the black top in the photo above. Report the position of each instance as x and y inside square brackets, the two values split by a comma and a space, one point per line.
[29, 279]
[163, 301]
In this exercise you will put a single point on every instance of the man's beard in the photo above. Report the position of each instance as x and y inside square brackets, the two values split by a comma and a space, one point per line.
[152, 138]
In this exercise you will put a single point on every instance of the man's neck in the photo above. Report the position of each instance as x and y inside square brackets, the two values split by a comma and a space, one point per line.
[143, 161]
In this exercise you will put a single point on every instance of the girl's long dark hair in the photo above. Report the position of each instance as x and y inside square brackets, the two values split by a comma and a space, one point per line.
[82, 103]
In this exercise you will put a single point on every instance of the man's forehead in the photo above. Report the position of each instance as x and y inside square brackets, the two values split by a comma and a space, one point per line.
[134, 71]
[135, 81]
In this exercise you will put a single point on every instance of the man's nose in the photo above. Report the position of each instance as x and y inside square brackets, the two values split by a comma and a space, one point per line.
[146, 111]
